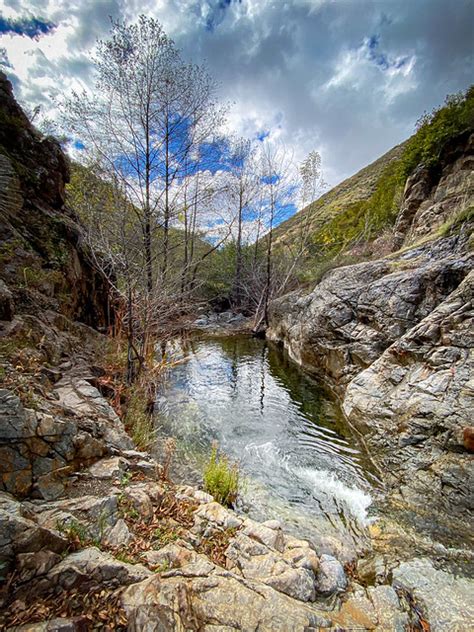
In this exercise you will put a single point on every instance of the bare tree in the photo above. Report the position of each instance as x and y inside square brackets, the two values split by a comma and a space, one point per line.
[241, 190]
[278, 191]
[149, 110]
[144, 124]
[311, 185]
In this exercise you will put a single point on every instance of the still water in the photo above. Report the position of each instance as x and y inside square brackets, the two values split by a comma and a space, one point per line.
[299, 463]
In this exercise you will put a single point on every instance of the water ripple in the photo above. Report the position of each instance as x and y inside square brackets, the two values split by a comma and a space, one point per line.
[277, 423]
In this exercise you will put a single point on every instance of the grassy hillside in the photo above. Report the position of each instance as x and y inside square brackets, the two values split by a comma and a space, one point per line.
[340, 227]
[356, 188]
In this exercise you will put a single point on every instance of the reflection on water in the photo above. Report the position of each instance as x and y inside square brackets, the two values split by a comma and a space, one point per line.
[277, 423]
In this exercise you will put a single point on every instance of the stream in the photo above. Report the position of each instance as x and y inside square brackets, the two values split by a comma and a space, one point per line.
[298, 460]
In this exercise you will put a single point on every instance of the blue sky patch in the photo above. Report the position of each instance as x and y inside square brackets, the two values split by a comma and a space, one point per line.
[30, 27]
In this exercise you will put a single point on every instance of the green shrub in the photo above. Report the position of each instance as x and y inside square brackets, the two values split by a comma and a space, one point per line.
[321, 268]
[221, 478]
[437, 127]
[365, 219]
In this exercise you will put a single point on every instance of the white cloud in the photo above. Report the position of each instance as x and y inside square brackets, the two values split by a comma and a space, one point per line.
[346, 78]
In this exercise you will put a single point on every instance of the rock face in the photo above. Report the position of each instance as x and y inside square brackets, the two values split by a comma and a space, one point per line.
[211, 599]
[431, 199]
[47, 285]
[43, 261]
[418, 397]
[32, 447]
[446, 605]
[357, 312]
[38, 450]
[393, 339]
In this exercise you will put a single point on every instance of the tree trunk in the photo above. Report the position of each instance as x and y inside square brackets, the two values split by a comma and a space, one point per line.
[237, 291]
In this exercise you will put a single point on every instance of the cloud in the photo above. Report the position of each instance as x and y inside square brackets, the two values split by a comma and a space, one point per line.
[348, 79]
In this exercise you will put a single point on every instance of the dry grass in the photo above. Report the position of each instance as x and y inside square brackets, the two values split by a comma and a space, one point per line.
[95, 609]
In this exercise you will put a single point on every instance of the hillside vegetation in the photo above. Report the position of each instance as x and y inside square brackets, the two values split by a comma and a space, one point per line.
[345, 222]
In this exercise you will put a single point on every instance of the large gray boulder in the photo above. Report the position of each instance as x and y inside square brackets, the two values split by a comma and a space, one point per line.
[358, 311]
[414, 403]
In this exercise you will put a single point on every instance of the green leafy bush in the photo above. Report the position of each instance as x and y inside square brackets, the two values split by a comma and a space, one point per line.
[437, 127]
[221, 478]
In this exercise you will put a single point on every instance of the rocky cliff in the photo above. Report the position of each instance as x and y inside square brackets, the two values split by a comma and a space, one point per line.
[52, 301]
[44, 263]
[392, 337]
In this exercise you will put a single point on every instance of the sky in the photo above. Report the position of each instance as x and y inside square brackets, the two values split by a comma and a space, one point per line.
[348, 78]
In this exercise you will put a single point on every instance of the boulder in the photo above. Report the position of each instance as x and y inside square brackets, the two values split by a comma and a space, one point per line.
[171, 556]
[217, 600]
[35, 449]
[78, 396]
[117, 536]
[356, 312]
[95, 515]
[19, 534]
[211, 516]
[254, 560]
[114, 467]
[136, 498]
[31, 565]
[273, 538]
[444, 599]
[330, 577]
[90, 568]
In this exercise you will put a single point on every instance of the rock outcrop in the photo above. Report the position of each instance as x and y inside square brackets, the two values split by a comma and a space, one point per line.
[52, 301]
[39, 448]
[393, 339]
[44, 263]
[414, 402]
[357, 312]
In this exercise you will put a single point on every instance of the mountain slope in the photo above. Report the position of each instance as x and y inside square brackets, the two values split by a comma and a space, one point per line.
[354, 189]
[362, 217]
